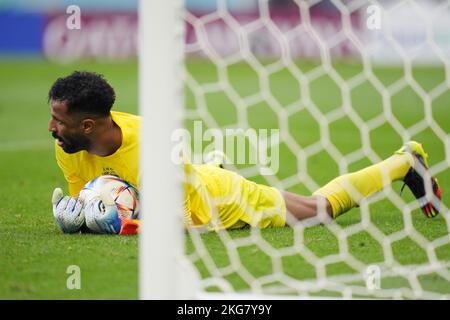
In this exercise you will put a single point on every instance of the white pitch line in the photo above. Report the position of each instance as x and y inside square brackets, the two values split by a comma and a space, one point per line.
[26, 145]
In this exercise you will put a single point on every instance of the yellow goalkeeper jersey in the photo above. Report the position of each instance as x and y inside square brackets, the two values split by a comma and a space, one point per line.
[215, 198]
[81, 167]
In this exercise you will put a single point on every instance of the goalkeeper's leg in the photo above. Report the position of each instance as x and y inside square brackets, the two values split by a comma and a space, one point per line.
[346, 191]
[304, 207]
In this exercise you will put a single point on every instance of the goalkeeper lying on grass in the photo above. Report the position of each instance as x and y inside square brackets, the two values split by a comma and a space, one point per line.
[92, 141]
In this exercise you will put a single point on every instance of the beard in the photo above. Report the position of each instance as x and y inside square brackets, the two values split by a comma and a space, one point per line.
[73, 144]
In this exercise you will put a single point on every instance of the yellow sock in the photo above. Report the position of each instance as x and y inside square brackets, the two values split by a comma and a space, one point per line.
[346, 191]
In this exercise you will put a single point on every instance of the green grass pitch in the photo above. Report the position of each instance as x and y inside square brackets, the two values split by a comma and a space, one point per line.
[35, 255]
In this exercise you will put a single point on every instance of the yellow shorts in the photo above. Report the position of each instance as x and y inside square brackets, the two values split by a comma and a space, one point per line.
[222, 199]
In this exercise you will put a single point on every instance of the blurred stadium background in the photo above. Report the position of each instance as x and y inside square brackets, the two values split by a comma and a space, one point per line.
[407, 70]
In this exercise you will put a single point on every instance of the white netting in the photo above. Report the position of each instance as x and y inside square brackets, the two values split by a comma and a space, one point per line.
[336, 56]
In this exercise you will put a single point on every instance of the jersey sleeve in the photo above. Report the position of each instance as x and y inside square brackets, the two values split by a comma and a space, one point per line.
[75, 183]
[75, 188]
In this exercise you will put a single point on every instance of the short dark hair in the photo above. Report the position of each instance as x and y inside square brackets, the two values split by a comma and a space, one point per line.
[84, 92]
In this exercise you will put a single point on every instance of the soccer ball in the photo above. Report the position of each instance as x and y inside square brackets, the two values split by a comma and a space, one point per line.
[123, 194]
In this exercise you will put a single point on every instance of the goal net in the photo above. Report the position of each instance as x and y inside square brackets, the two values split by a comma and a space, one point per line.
[294, 94]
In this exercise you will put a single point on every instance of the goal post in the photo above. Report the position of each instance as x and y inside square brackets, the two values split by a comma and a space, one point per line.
[161, 106]
[310, 90]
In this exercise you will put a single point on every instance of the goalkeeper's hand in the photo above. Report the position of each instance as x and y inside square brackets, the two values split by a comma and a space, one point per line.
[68, 212]
[102, 216]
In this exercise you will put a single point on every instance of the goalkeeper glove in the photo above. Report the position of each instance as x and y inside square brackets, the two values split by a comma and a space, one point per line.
[68, 212]
[102, 216]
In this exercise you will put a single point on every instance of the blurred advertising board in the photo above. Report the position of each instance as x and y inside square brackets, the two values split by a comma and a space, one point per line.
[404, 34]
